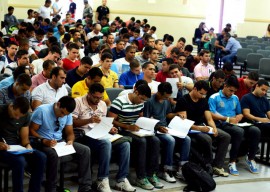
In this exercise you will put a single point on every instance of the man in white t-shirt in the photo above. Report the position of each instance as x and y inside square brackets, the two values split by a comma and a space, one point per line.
[30, 18]
[95, 32]
[148, 69]
[45, 10]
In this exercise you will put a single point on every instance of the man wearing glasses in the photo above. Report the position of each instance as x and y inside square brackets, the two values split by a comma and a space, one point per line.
[47, 124]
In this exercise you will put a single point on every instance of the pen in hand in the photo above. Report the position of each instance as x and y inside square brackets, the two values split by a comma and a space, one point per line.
[4, 146]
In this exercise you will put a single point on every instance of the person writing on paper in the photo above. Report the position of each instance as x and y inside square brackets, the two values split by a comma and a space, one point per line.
[226, 111]
[159, 107]
[194, 106]
[126, 109]
[89, 109]
[47, 124]
[14, 121]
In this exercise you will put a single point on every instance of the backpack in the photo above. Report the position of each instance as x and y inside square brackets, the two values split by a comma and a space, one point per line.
[197, 178]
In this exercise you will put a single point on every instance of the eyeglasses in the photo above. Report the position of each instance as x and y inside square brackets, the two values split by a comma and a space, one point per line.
[58, 125]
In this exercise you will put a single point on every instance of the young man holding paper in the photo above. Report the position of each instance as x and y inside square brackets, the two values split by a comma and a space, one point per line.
[194, 106]
[47, 124]
[160, 108]
[126, 109]
[14, 121]
[88, 112]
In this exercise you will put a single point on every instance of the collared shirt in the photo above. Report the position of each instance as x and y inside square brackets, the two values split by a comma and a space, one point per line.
[45, 117]
[141, 59]
[38, 65]
[47, 95]
[10, 68]
[7, 96]
[108, 80]
[73, 77]
[80, 89]
[118, 55]
[202, 70]
[129, 78]
[84, 111]
[38, 79]
[233, 45]
[224, 106]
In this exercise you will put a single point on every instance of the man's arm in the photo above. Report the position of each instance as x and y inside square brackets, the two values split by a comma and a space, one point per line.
[122, 125]
[24, 136]
[97, 14]
[70, 134]
[35, 104]
[248, 115]
[210, 122]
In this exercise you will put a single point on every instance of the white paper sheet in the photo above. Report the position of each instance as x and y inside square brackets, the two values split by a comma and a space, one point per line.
[16, 148]
[101, 129]
[111, 137]
[182, 125]
[147, 123]
[173, 82]
[62, 149]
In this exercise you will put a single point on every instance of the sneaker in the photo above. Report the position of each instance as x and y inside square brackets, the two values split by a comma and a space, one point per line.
[155, 181]
[124, 186]
[220, 172]
[179, 174]
[232, 169]
[103, 185]
[167, 176]
[252, 166]
[144, 184]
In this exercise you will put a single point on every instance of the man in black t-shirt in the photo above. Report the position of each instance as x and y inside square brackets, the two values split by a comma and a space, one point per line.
[194, 106]
[219, 44]
[216, 81]
[102, 10]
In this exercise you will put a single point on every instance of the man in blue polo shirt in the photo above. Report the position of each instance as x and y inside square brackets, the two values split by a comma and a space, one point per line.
[226, 111]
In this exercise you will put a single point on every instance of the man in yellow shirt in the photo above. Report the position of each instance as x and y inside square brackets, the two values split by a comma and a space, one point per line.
[110, 78]
[81, 88]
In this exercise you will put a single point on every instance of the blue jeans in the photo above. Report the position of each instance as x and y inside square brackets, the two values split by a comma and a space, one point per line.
[168, 145]
[228, 58]
[103, 148]
[36, 162]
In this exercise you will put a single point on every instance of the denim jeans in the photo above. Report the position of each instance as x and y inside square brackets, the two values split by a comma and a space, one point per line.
[146, 153]
[228, 58]
[103, 148]
[84, 171]
[168, 145]
[36, 162]
[251, 133]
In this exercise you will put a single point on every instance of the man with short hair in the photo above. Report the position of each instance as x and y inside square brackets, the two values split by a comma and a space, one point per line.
[158, 45]
[125, 110]
[47, 123]
[44, 75]
[118, 51]
[216, 81]
[129, 78]
[180, 45]
[10, 19]
[71, 61]
[226, 111]
[231, 48]
[52, 90]
[11, 52]
[96, 32]
[203, 70]
[19, 88]
[144, 57]
[164, 72]
[93, 47]
[102, 10]
[168, 40]
[148, 69]
[72, 8]
[153, 58]
[181, 61]
[60, 33]
[89, 109]
[94, 75]
[190, 60]
[109, 78]
[14, 122]
[79, 73]
[3, 59]
[45, 10]
[246, 84]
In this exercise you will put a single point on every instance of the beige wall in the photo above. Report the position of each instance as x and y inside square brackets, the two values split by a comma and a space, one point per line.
[176, 17]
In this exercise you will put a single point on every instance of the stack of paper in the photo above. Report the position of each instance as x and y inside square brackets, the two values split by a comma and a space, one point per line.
[147, 127]
[18, 149]
[62, 149]
[101, 129]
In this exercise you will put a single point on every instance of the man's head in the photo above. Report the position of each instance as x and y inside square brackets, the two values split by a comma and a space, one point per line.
[2, 49]
[175, 71]
[24, 44]
[251, 79]
[218, 79]
[136, 33]
[120, 45]
[130, 53]
[181, 59]
[200, 89]
[148, 69]
[146, 28]
[110, 39]
[153, 55]
[94, 42]
[135, 67]
[40, 35]
[61, 29]
[12, 48]
[64, 106]
[205, 56]
[164, 91]
[94, 75]
[22, 84]
[112, 27]
[48, 3]
[58, 77]
[228, 69]
[174, 54]
[18, 108]
[181, 43]
[261, 88]
[106, 60]
[159, 44]
[10, 10]
[97, 28]
[54, 53]
[22, 58]
[231, 85]
[142, 93]
[168, 40]
[227, 36]
[104, 2]
[95, 94]
[188, 50]
[166, 62]
[146, 52]
[47, 65]
[151, 41]
[73, 51]
[20, 70]
[85, 65]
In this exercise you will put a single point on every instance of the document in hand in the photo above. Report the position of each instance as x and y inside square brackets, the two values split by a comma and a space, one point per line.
[245, 124]
[179, 127]
[147, 126]
[62, 149]
[18, 149]
[209, 132]
[101, 129]
[173, 82]
[112, 138]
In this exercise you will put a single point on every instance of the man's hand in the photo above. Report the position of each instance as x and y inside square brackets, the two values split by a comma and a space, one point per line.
[95, 119]
[233, 120]
[163, 129]
[133, 128]
[264, 120]
[114, 130]
[215, 131]
[49, 143]
[204, 129]
[3, 146]
[69, 142]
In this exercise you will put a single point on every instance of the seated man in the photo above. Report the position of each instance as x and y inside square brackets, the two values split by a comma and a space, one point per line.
[246, 84]
[71, 61]
[119, 51]
[109, 78]
[89, 109]
[148, 69]
[144, 57]
[164, 72]
[47, 124]
[129, 78]
[203, 70]
[226, 111]
[14, 121]
[216, 81]
[19, 88]
[52, 90]
[125, 110]
[81, 88]
[159, 107]
[181, 61]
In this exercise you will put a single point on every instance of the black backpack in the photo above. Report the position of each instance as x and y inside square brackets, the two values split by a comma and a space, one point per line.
[197, 178]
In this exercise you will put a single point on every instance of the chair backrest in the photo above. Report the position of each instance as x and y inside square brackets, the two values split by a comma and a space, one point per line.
[264, 67]
[252, 37]
[251, 42]
[242, 54]
[253, 60]
[267, 48]
[265, 53]
[243, 44]
[113, 93]
[254, 47]
[262, 45]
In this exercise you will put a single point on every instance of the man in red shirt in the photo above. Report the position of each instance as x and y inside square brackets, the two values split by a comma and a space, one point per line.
[71, 61]
[164, 72]
[246, 84]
